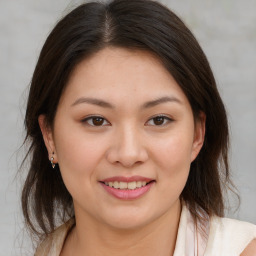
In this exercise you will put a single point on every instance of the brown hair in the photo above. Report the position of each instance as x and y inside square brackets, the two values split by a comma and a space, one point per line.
[133, 24]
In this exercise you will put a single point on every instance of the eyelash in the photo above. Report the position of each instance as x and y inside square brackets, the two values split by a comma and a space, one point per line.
[90, 118]
[167, 119]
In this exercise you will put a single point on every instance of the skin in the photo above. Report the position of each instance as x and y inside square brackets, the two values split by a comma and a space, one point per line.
[250, 250]
[129, 142]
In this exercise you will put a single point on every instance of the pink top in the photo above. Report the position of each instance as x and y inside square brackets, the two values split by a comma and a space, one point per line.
[223, 237]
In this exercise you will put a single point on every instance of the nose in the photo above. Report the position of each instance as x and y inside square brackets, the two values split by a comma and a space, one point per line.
[127, 148]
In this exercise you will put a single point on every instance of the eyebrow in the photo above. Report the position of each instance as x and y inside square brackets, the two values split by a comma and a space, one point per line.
[161, 100]
[104, 104]
[93, 101]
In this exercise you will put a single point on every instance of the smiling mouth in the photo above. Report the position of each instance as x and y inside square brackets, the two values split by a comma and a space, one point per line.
[127, 185]
[127, 188]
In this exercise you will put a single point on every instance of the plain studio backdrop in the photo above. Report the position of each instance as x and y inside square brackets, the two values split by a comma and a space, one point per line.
[226, 30]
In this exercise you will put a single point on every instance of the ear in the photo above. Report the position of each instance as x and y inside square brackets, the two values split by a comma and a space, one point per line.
[48, 138]
[199, 134]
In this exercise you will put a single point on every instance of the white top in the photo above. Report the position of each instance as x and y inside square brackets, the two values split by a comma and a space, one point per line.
[223, 237]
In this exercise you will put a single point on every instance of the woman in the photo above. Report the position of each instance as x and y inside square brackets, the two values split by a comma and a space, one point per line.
[124, 105]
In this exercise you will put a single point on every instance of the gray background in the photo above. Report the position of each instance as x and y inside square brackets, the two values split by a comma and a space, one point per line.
[226, 29]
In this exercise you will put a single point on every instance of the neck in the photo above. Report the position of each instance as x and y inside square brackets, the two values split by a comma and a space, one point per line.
[156, 238]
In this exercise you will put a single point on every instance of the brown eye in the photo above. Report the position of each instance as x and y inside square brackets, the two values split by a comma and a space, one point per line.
[159, 120]
[95, 121]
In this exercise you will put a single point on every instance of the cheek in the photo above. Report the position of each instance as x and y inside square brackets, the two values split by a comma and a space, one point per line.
[174, 152]
[78, 156]
[173, 158]
[174, 165]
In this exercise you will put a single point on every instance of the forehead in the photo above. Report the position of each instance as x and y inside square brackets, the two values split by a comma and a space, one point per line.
[120, 74]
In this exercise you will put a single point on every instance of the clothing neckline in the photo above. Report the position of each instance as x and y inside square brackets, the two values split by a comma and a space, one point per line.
[189, 242]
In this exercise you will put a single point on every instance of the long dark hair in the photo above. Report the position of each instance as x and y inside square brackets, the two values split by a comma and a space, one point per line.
[133, 24]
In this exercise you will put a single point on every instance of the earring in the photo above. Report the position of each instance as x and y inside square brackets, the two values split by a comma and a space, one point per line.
[52, 163]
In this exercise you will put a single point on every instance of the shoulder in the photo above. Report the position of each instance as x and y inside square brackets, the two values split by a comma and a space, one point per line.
[227, 225]
[53, 243]
[229, 236]
[250, 250]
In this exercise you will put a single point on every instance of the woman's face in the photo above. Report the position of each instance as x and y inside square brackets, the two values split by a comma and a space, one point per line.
[124, 138]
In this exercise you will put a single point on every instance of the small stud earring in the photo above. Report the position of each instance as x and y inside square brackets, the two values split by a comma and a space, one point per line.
[52, 163]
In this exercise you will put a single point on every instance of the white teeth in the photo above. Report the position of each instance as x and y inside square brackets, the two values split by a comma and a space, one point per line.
[116, 184]
[132, 185]
[123, 185]
[126, 185]
[138, 184]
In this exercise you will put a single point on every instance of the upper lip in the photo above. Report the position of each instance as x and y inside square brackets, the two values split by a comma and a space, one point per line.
[127, 179]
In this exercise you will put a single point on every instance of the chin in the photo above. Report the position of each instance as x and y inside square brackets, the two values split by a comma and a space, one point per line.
[128, 220]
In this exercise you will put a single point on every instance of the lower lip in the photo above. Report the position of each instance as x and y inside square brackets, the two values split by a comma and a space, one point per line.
[128, 194]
